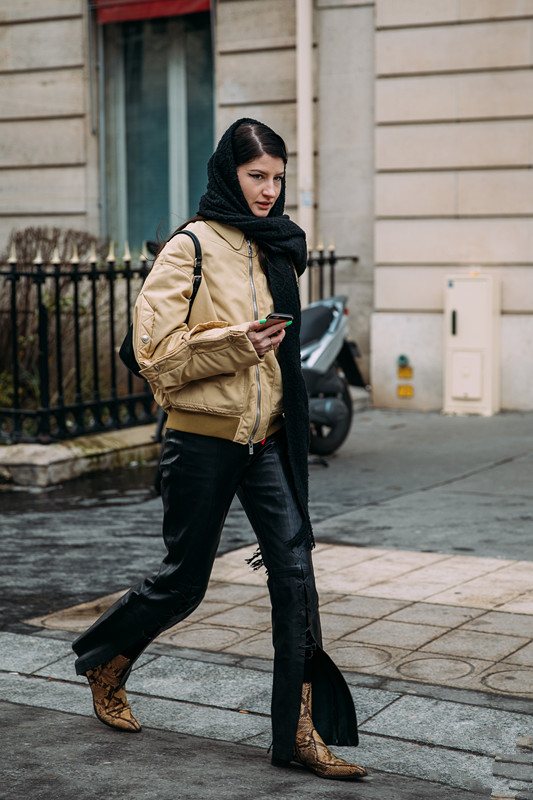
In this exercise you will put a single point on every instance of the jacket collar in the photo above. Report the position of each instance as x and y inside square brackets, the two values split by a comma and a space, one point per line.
[233, 236]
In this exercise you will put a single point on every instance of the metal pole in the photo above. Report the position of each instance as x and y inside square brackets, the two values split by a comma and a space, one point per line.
[97, 412]
[321, 261]
[332, 259]
[305, 123]
[56, 262]
[76, 277]
[44, 376]
[113, 369]
[13, 278]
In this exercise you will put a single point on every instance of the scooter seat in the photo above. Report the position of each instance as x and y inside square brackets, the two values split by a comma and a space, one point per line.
[315, 322]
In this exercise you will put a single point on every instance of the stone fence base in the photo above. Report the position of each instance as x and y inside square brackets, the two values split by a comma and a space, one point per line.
[47, 464]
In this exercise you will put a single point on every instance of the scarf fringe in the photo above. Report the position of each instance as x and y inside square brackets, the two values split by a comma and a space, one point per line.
[303, 537]
[255, 561]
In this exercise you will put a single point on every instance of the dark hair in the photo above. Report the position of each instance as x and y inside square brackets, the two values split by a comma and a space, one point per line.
[249, 140]
[253, 139]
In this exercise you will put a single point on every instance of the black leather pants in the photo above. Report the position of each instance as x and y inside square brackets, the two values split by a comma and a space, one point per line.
[200, 477]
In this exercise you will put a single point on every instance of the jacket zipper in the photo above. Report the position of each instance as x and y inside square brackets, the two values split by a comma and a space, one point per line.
[256, 316]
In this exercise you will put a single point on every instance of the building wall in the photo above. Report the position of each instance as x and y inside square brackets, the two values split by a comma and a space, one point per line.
[453, 183]
[344, 33]
[255, 70]
[48, 155]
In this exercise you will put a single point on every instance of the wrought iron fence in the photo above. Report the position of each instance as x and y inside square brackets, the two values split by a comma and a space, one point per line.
[60, 328]
[61, 325]
[321, 266]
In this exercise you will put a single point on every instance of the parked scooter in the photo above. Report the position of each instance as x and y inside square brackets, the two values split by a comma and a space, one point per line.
[329, 366]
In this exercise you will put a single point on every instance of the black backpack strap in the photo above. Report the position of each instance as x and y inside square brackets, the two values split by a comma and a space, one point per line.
[197, 274]
[126, 352]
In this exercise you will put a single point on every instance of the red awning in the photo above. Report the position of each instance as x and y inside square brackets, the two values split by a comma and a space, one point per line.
[124, 10]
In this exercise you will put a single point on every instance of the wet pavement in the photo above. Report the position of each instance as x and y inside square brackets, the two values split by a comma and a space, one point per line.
[425, 571]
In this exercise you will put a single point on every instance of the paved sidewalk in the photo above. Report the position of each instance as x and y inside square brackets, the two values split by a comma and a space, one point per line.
[425, 573]
[450, 620]
[441, 669]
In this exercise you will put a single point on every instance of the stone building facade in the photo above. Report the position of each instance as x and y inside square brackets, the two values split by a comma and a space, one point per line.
[419, 140]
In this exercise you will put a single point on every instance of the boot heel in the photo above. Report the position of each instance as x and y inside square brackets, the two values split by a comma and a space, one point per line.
[279, 762]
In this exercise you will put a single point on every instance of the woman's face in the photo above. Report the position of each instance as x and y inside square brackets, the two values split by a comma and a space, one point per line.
[260, 181]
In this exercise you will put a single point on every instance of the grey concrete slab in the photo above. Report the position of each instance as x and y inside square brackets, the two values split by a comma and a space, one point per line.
[398, 634]
[463, 770]
[44, 633]
[441, 520]
[516, 767]
[369, 702]
[365, 607]
[44, 693]
[433, 614]
[154, 712]
[451, 725]
[508, 480]
[503, 623]
[204, 683]
[197, 720]
[480, 521]
[522, 656]
[27, 654]
[451, 694]
[63, 669]
[489, 646]
[55, 756]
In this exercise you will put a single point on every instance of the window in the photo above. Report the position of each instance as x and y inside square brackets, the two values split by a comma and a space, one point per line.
[158, 130]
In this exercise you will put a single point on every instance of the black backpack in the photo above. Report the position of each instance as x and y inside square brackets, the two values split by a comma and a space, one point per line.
[126, 352]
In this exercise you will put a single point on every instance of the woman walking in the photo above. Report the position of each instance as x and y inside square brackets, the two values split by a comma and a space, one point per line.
[237, 424]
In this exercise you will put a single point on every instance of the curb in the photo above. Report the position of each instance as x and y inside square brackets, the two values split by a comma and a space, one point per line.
[48, 464]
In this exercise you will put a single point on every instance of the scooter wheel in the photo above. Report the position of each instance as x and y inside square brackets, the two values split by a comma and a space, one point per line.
[325, 440]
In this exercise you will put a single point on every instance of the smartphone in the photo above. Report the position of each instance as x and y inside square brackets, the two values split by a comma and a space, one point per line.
[273, 318]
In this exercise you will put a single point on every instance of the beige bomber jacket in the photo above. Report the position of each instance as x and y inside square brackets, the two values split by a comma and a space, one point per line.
[207, 375]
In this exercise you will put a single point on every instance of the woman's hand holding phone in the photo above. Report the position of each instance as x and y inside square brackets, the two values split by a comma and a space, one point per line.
[267, 334]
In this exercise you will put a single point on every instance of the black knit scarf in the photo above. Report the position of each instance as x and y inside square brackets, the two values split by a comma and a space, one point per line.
[283, 243]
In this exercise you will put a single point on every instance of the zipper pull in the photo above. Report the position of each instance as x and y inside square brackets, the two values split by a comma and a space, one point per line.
[251, 446]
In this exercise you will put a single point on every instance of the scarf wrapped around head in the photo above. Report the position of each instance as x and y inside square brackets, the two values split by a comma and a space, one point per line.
[283, 243]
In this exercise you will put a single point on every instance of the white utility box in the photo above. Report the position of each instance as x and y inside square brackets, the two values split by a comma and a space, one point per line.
[471, 345]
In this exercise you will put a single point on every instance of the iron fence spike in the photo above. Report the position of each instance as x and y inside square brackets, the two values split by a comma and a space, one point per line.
[75, 255]
[12, 254]
[38, 256]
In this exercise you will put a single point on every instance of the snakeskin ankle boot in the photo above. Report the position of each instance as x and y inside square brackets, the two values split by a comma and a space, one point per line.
[109, 695]
[312, 752]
